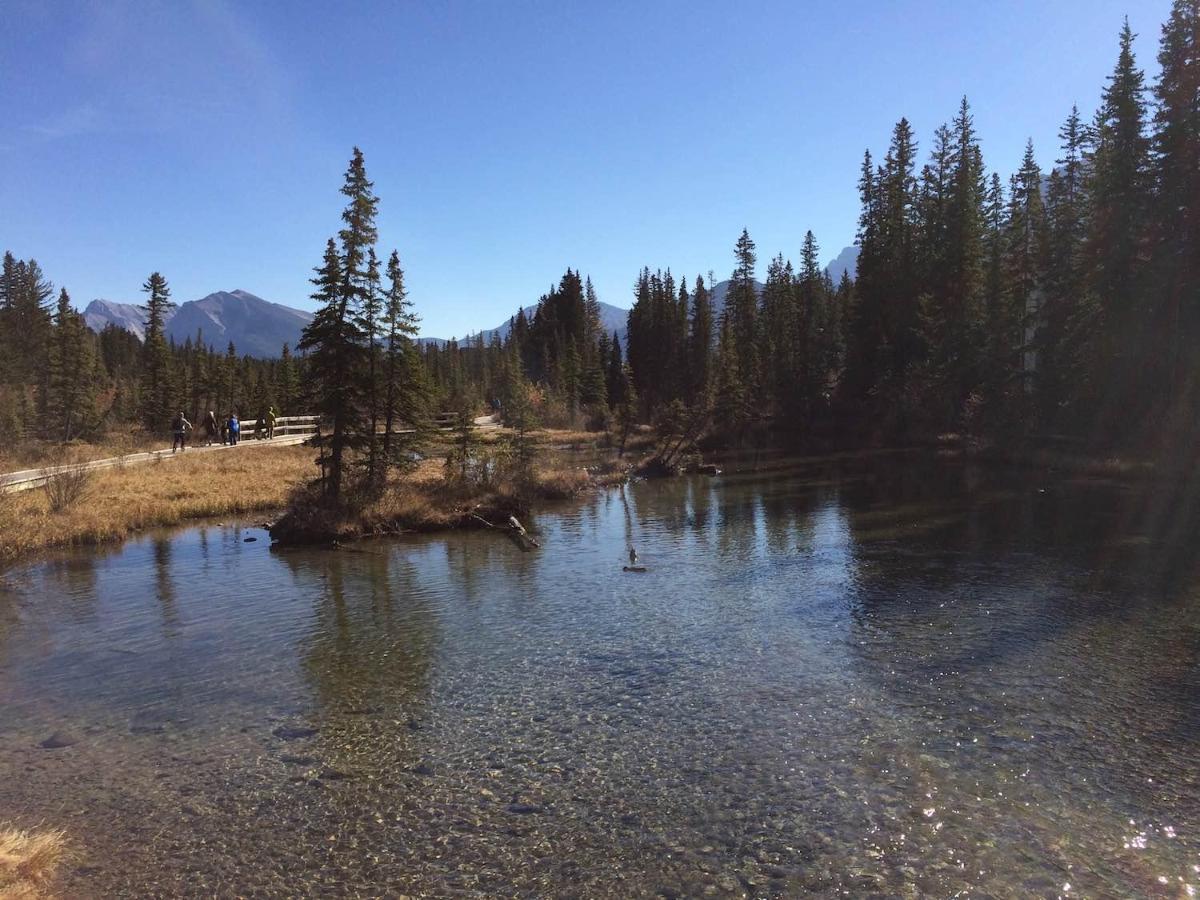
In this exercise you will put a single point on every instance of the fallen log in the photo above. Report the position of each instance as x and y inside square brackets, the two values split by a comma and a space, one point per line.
[515, 530]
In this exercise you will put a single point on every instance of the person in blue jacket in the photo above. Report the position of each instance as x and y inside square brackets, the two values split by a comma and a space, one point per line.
[235, 428]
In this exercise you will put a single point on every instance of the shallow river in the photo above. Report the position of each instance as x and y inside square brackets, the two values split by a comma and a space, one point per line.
[884, 676]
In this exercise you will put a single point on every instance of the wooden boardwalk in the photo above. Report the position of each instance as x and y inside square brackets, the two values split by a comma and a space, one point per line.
[289, 430]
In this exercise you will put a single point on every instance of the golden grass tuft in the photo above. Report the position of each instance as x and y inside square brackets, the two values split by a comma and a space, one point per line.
[28, 861]
[559, 483]
[120, 502]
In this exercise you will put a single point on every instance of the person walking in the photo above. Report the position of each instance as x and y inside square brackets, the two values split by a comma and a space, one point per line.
[235, 429]
[211, 431]
[271, 417]
[179, 429]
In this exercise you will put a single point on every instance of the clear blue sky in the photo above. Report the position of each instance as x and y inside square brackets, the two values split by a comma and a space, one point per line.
[507, 140]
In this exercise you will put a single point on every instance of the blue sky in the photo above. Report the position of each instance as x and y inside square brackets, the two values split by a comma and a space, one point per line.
[507, 140]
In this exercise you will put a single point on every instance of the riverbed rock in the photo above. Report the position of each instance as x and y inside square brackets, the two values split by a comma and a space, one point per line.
[58, 740]
[290, 760]
[294, 732]
[523, 809]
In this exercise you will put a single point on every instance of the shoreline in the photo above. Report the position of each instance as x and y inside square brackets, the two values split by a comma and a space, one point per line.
[120, 502]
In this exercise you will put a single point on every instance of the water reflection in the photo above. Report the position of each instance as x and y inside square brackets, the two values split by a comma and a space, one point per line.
[880, 676]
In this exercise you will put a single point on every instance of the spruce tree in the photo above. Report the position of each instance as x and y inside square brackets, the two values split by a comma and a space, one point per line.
[741, 310]
[289, 383]
[331, 341]
[405, 390]
[730, 396]
[864, 319]
[1025, 262]
[1177, 201]
[614, 376]
[1063, 306]
[700, 343]
[72, 373]
[334, 339]
[898, 248]
[369, 314]
[1118, 192]
[158, 395]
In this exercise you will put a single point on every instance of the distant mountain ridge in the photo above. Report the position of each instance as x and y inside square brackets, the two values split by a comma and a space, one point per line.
[102, 313]
[257, 327]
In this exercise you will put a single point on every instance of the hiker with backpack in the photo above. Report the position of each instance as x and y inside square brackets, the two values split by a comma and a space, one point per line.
[180, 427]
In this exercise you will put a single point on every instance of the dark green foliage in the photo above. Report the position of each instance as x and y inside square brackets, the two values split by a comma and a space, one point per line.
[405, 389]
[73, 375]
[1066, 305]
[159, 400]
[70, 383]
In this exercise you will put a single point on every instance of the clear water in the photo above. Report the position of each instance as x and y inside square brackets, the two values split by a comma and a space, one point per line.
[883, 676]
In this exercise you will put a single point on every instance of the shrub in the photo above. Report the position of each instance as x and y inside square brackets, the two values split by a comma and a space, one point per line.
[65, 488]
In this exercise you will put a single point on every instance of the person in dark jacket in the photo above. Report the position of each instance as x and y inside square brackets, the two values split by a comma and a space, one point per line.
[211, 431]
[179, 432]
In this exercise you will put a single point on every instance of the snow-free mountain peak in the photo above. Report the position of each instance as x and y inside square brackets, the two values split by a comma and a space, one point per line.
[256, 326]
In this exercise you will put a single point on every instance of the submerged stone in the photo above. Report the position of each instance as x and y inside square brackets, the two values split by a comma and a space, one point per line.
[294, 732]
[58, 740]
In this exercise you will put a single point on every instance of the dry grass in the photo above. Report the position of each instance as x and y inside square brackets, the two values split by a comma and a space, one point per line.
[557, 483]
[34, 454]
[28, 861]
[120, 502]
[562, 437]
[541, 437]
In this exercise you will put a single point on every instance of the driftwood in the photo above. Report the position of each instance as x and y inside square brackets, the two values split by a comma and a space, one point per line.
[514, 529]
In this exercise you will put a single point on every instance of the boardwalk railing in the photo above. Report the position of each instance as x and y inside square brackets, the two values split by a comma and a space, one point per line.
[284, 425]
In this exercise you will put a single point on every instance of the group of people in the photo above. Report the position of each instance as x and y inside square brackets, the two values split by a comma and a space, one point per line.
[228, 432]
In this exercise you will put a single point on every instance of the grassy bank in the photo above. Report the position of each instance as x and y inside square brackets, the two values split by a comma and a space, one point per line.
[123, 501]
[27, 862]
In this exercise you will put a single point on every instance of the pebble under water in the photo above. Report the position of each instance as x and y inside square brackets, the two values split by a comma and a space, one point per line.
[884, 676]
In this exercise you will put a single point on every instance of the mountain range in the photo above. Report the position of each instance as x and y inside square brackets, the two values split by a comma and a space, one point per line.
[259, 328]
[256, 326]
